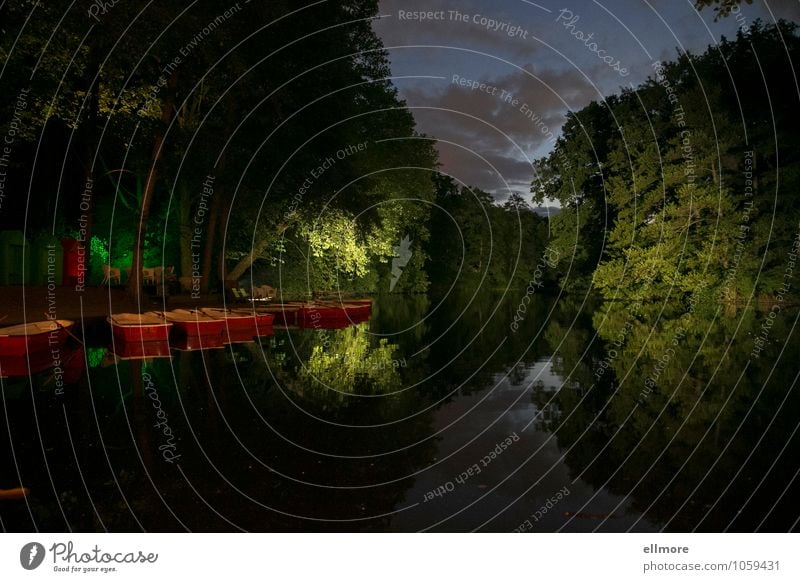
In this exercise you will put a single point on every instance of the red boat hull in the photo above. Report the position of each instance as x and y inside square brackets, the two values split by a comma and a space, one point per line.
[359, 312]
[283, 313]
[140, 333]
[197, 335]
[241, 324]
[196, 342]
[19, 345]
[262, 322]
[318, 316]
[238, 336]
[16, 366]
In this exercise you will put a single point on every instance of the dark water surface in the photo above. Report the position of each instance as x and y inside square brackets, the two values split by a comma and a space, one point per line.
[432, 415]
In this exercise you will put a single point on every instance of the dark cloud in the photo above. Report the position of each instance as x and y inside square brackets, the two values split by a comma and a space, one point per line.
[517, 123]
[787, 9]
[397, 32]
[549, 72]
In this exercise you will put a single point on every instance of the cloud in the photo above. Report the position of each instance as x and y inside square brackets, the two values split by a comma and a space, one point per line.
[451, 32]
[787, 9]
[549, 72]
[512, 120]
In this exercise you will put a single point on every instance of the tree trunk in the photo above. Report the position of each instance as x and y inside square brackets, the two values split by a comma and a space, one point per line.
[254, 253]
[167, 109]
[246, 261]
[185, 218]
[90, 139]
[208, 248]
[211, 229]
[221, 260]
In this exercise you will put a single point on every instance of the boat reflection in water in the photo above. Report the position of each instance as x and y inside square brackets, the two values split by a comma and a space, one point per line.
[66, 362]
[122, 350]
[42, 346]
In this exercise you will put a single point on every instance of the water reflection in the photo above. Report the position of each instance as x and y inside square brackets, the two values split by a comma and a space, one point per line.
[681, 420]
[357, 428]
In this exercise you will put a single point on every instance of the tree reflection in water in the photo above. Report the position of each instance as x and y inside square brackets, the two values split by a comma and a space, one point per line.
[684, 422]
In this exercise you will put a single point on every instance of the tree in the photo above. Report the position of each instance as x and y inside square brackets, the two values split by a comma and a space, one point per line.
[574, 175]
[721, 7]
[672, 187]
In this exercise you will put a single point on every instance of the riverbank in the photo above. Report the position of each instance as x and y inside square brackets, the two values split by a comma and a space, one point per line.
[19, 304]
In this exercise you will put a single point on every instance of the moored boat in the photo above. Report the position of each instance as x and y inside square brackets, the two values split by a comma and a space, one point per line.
[361, 302]
[263, 320]
[282, 313]
[230, 319]
[139, 327]
[237, 327]
[193, 330]
[358, 312]
[17, 340]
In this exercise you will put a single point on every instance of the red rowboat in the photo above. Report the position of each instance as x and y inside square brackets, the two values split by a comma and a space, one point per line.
[358, 312]
[263, 320]
[193, 330]
[237, 327]
[325, 315]
[231, 320]
[139, 327]
[283, 313]
[17, 340]
[14, 494]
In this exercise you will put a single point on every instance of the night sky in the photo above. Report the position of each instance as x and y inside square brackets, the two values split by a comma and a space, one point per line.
[536, 60]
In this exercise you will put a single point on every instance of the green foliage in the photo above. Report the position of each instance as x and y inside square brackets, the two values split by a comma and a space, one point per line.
[476, 242]
[666, 189]
[343, 362]
[722, 8]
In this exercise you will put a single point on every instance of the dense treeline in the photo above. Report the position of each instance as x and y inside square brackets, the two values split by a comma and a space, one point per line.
[476, 242]
[687, 183]
[267, 143]
[213, 137]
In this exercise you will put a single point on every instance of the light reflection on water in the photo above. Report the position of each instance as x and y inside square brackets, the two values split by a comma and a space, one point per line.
[327, 430]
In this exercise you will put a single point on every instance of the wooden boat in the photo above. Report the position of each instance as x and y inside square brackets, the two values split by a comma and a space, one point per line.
[238, 336]
[282, 313]
[37, 336]
[236, 327]
[231, 320]
[263, 320]
[358, 312]
[193, 330]
[365, 303]
[139, 327]
[14, 494]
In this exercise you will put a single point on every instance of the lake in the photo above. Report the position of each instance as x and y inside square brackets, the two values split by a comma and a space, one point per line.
[437, 414]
